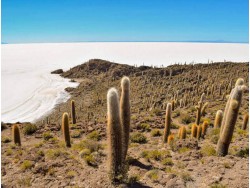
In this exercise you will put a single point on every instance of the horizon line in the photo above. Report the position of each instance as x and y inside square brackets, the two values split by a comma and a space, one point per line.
[191, 41]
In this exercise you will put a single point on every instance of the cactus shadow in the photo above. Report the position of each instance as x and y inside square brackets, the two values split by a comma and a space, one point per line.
[141, 165]
[138, 185]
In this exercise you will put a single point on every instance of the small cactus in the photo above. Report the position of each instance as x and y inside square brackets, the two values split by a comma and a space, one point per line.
[73, 112]
[65, 129]
[204, 128]
[16, 135]
[230, 117]
[218, 119]
[199, 130]
[194, 131]
[245, 121]
[114, 135]
[170, 139]
[167, 122]
[179, 132]
[125, 115]
[183, 133]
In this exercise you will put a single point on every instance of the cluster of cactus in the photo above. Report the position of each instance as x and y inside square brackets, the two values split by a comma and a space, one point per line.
[230, 117]
[118, 129]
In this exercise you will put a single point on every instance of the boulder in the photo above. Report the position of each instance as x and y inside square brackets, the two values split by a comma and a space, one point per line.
[58, 71]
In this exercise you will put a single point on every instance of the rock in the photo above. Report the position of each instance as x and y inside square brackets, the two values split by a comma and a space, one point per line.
[69, 89]
[189, 143]
[58, 71]
[90, 128]
[40, 168]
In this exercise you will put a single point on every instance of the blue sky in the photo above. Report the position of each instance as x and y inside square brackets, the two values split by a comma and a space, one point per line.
[29, 21]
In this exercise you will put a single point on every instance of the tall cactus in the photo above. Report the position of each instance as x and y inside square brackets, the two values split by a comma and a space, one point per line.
[245, 121]
[218, 119]
[73, 112]
[167, 122]
[114, 135]
[65, 129]
[229, 118]
[199, 109]
[16, 135]
[125, 115]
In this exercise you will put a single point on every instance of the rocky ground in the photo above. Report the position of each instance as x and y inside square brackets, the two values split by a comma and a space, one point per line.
[44, 161]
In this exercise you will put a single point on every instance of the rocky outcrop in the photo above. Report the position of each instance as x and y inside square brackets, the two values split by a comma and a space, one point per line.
[58, 71]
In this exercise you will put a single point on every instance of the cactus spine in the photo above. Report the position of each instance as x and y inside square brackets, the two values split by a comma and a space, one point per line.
[16, 135]
[194, 131]
[65, 129]
[167, 122]
[125, 115]
[218, 119]
[73, 112]
[230, 117]
[114, 135]
[245, 121]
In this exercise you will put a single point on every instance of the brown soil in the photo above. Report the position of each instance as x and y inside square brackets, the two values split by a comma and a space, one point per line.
[186, 163]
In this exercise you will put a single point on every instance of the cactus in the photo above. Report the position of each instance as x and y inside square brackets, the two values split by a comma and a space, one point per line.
[173, 104]
[170, 139]
[125, 115]
[114, 135]
[198, 114]
[204, 128]
[179, 132]
[73, 112]
[183, 133]
[199, 130]
[65, 129]
[203, 110]
[218, 119]
[229, 118]
[167, 122]
[16, 135]
[245, 121]
[199, 109]
[194, 131]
